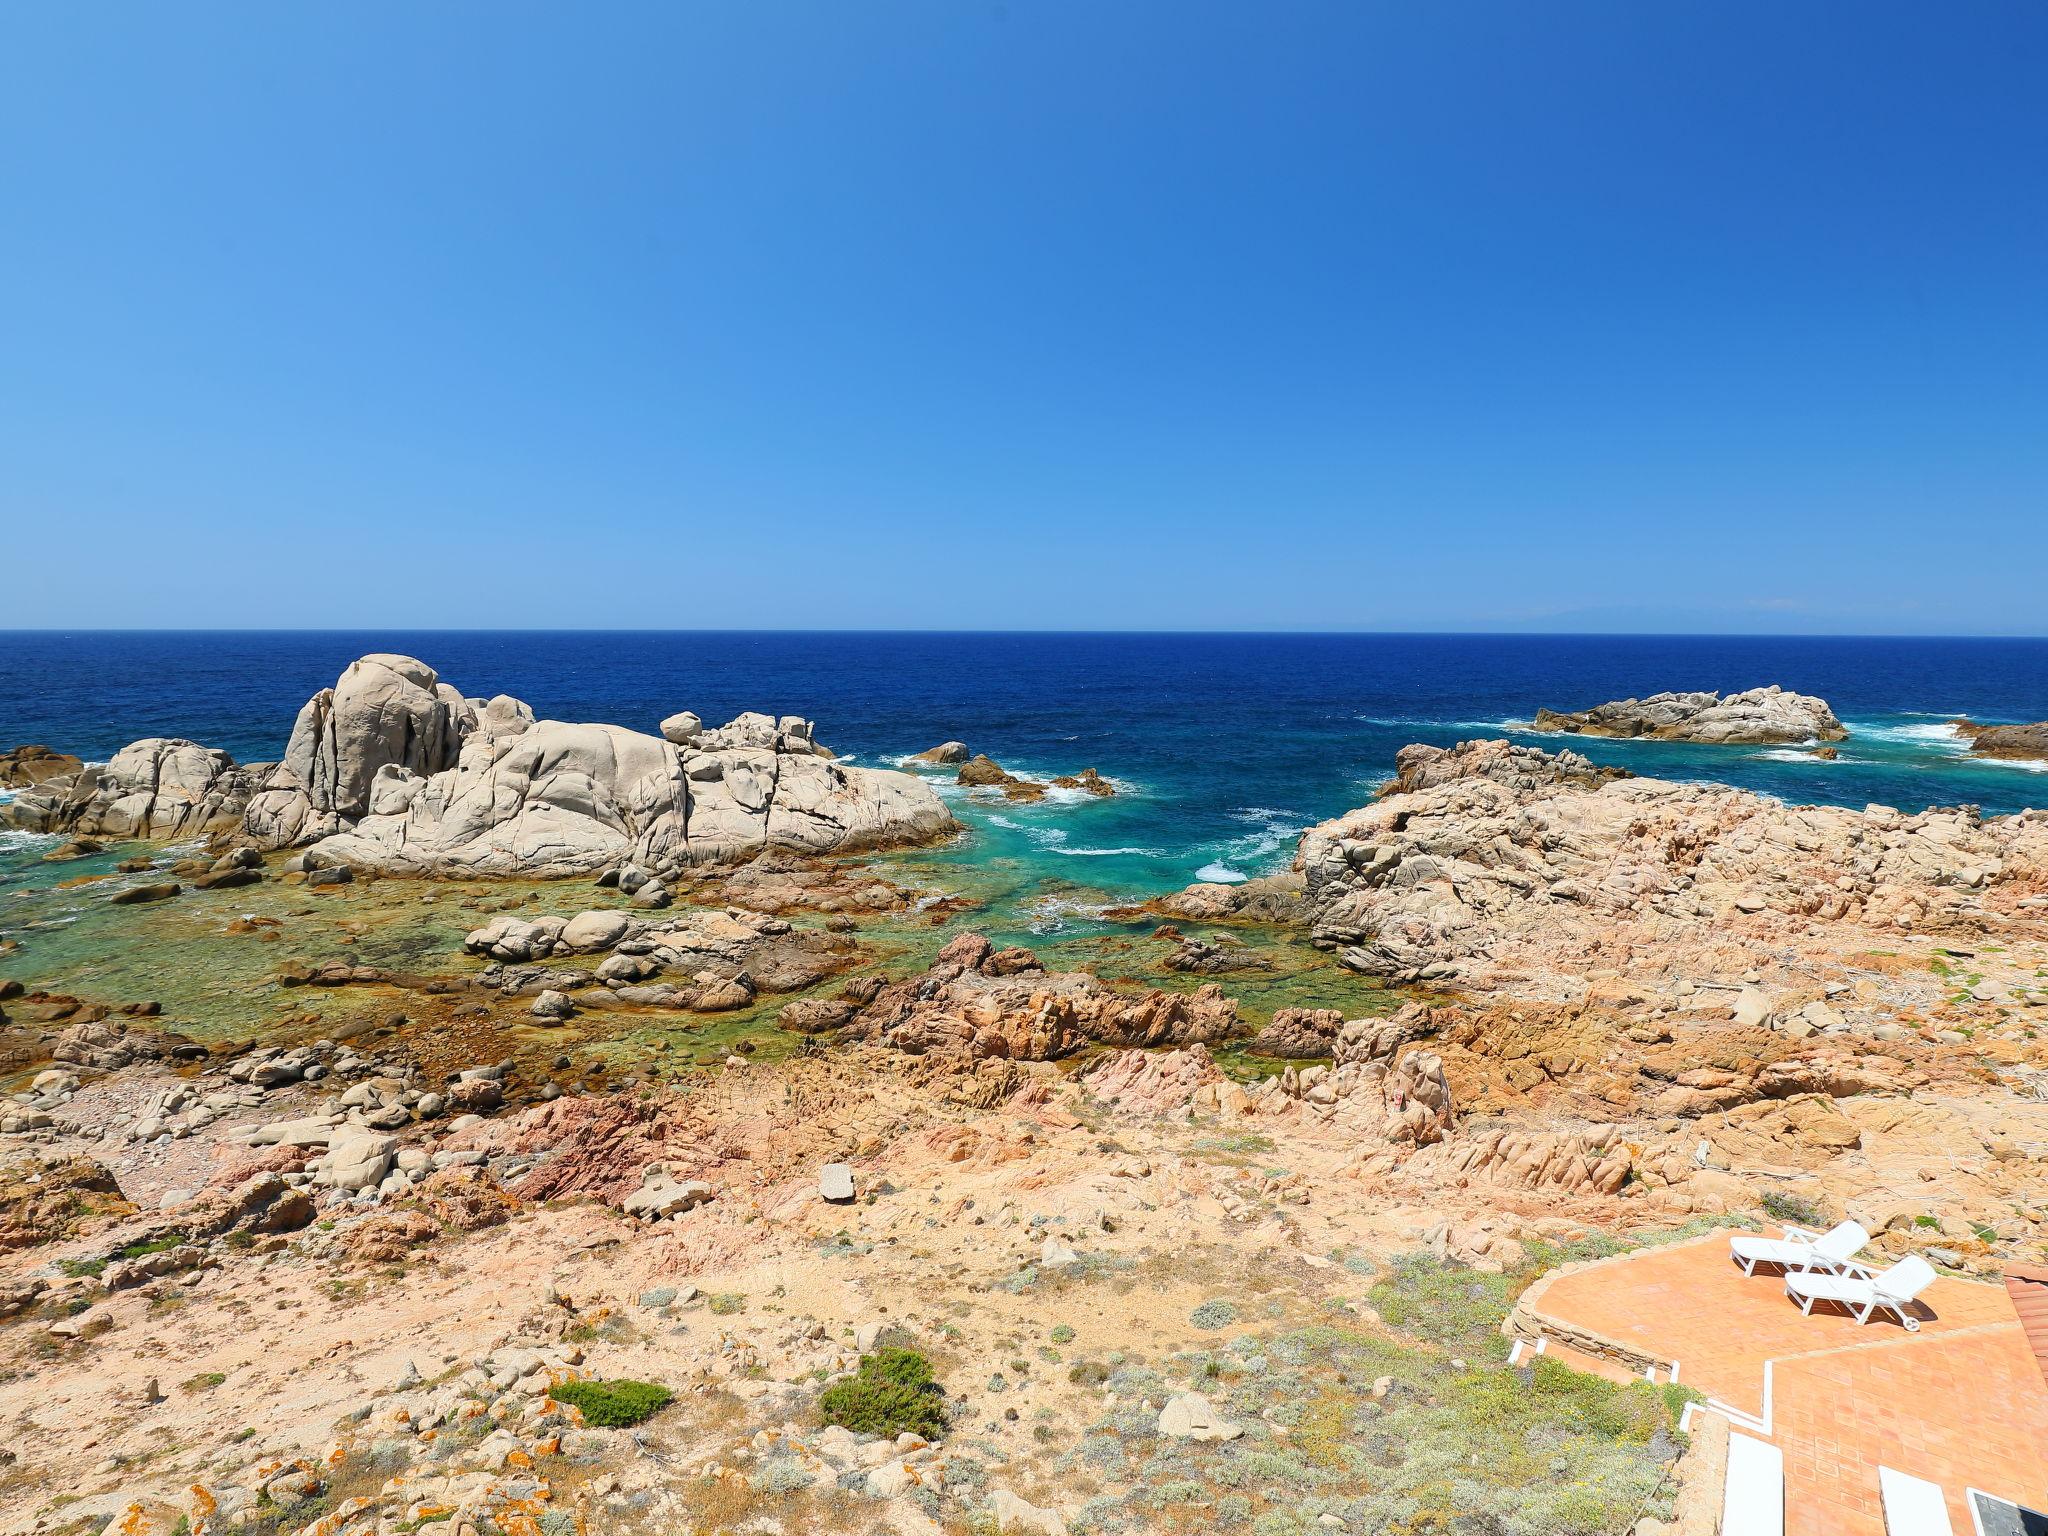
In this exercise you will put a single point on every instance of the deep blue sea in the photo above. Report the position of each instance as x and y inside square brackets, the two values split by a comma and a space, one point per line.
[1224, 746]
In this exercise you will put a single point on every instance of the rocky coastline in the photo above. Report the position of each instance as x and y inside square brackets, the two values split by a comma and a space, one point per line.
[518, 1129]
[396, 771]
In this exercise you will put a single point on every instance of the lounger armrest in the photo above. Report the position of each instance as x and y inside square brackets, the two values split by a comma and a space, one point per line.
[1851, 1270]
[1801, 1235]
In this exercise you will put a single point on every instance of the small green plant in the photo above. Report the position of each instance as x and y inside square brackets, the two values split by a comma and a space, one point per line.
[726, 1303]
[1926, 1221]
[613, 1404]
[206, 1381]
[1211, 1315]
[893, 1391]
[1061, 1334]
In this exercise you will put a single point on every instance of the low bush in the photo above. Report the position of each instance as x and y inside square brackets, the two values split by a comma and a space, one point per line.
[1780, 1205]
[893, 1391]
[613, 1404]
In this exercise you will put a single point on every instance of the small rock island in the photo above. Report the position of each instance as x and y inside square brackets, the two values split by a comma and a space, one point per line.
[1756, 717]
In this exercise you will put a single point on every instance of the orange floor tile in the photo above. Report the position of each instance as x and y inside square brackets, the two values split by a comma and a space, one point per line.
[1960, 1403]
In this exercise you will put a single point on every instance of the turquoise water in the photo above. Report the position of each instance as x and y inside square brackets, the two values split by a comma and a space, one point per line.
[1223, 747]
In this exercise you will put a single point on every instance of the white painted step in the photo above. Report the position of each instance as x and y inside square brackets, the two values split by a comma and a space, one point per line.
[1753, 1503]
[1912, 1505]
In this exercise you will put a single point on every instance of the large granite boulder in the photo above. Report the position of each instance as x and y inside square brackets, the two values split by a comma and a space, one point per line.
[159, 787]
[1756, 717]
[389, 720]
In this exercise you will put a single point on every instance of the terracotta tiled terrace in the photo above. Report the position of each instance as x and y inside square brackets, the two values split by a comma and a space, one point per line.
[1961, 1403]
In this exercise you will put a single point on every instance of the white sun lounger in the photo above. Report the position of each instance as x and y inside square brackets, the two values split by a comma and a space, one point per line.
[1799, 1248]
[1863, 1293]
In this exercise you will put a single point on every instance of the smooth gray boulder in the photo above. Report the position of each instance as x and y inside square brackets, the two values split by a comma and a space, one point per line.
[385, 713]
[358, 1161]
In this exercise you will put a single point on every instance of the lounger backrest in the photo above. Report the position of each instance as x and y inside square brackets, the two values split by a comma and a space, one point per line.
[1905, 1279]
[1844, 1242]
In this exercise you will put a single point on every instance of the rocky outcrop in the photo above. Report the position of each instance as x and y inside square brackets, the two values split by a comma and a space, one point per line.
[1268, 899]
[706, 961]
[1758, 716]
[1505, 864]
[1596, 1160]
[358, 747]
[160, 787]
[1152, 1082]
[392, 769]
[2021, 743]
[24, 767]
[550, 798]
[984, 772]
[977, 1001]
[1299, 1034]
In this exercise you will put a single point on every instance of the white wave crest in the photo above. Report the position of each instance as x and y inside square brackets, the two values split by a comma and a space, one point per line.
[1221, 874]
[1933, 734]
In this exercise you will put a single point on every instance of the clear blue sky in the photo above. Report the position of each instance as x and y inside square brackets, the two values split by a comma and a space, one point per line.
[1095, 314]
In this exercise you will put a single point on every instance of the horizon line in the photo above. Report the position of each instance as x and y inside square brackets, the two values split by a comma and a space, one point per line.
[879, 630]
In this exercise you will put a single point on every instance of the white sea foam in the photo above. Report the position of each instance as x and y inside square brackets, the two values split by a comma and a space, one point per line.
[1105, 853]
[1939, 734]
[1221, 874]
[1051, 914]
[1425, 723]
[1055, 795]
[1790, 755]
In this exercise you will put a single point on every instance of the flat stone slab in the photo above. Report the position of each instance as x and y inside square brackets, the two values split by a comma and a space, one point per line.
[835, 1182]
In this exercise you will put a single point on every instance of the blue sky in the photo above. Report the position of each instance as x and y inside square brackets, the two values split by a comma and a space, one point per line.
[1042, 315]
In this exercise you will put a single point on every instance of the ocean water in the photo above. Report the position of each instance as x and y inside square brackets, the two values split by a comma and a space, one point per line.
[1223, 747]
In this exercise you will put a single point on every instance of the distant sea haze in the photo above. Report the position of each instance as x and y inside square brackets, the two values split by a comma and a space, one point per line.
[1223, 746]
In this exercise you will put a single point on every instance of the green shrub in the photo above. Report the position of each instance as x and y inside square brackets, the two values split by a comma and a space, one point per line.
[1780, 1206]
[613, 1404]
[1211, 1315]
[893, 1391]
